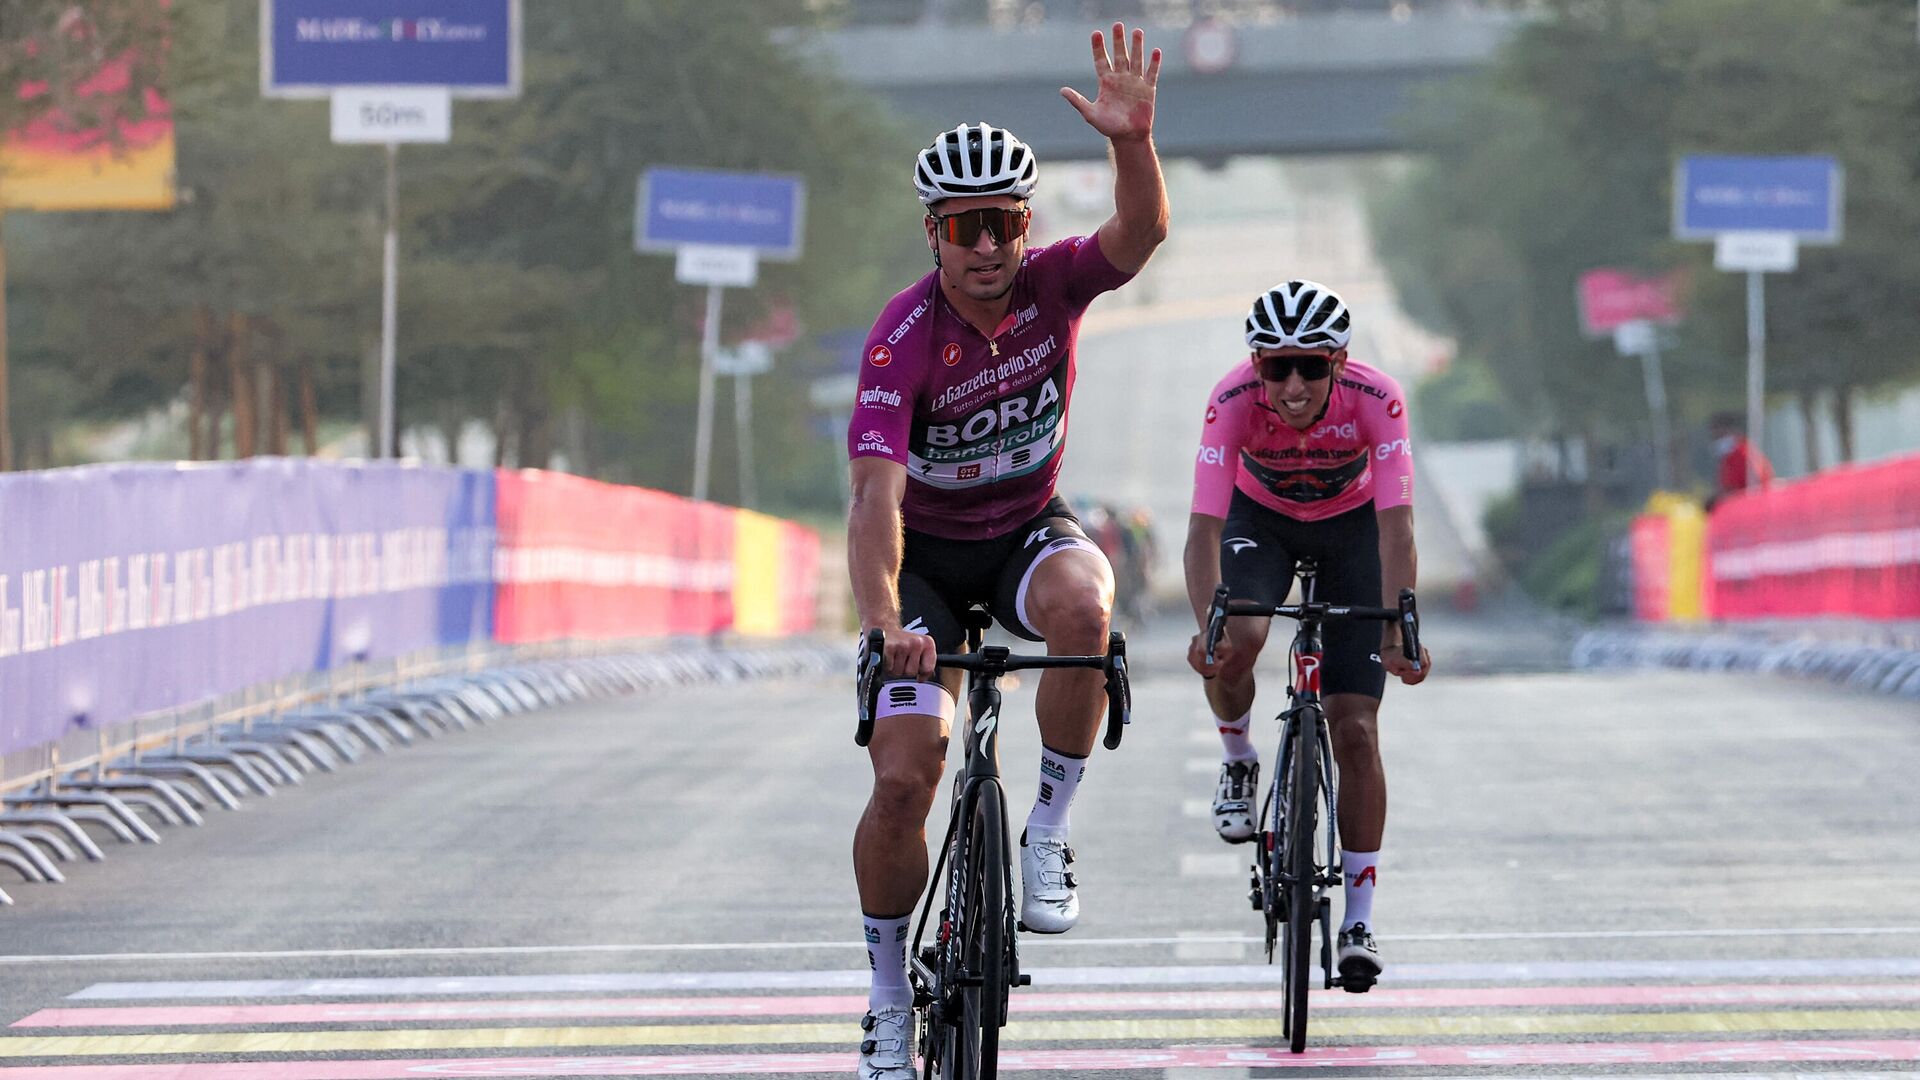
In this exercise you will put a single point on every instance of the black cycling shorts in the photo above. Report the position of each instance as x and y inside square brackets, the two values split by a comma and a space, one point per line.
[1257, 552]
[941, 578]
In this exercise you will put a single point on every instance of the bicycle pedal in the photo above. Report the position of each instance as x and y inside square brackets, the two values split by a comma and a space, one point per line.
[1024, 980]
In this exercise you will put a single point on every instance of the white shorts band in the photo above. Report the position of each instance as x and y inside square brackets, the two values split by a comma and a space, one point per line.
[902, 697]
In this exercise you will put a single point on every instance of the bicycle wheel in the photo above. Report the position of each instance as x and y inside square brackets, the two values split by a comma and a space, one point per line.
[978, 1005]
[1302, 808]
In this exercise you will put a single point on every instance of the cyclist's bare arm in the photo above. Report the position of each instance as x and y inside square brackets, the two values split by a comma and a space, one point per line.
[1122, 110]
[1399, 566]
[874, 544]
[1202, 560]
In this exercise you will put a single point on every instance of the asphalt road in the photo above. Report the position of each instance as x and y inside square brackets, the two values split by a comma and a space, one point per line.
[1672, 872]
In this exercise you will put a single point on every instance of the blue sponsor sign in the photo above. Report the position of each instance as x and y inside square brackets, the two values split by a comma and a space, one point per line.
[1798, 195]
[695, 206]
[309, 48]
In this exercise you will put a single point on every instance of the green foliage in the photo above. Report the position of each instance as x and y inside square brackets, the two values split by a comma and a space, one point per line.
[1463, 403]
[1559, 159]
[522, 302]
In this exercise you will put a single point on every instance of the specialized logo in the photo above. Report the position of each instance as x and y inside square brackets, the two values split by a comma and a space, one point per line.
[878, 396]
[1394, 408]
[987, 723]
[880, 356]
[1238, 544]
[917, 626]
[1212, 455]
[1213, 414]
[951, 354]
[1036, 536]
[1307, 675]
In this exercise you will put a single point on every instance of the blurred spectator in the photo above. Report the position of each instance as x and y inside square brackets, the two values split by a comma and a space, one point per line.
[1740, 462]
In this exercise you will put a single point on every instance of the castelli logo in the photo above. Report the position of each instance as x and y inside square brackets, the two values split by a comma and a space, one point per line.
[881, 356]
[1394, 408]
[1212, 414]
[951, 354]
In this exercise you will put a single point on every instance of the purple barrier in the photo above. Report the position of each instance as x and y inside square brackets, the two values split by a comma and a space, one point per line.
[126, 589]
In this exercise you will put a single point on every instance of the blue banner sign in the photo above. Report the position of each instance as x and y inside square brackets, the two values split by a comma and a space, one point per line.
[695, 206]
[309, 48]
[1798, 195]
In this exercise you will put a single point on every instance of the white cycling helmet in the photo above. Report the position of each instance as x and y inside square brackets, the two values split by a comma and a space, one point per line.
[1302, 314]
[975, 159]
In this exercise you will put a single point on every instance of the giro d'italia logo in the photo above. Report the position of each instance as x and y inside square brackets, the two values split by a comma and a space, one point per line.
[951, 354]
[881, 356]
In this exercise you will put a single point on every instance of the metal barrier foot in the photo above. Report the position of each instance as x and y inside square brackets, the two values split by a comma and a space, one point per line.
[210, 782]
[54, 819]
[31, 862]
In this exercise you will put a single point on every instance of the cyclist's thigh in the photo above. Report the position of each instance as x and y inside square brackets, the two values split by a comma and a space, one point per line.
[1054, 538]
[1256, 563]
[1348, 548]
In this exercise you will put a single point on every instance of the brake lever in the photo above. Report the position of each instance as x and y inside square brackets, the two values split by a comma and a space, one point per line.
[1119, 691]
[1409, 628]
[1216, 621]
[873, 657]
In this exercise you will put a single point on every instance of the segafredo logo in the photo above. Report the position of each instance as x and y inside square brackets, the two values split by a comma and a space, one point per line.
[877, 396]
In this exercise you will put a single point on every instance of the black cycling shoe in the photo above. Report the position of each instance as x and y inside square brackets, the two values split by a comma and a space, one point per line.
[1360, 965]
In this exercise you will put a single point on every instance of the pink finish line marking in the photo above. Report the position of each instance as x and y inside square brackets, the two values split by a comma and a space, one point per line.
[1201, 1057]
[1210, 1001]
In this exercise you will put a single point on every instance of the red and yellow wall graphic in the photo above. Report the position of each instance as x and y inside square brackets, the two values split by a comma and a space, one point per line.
[52, 165]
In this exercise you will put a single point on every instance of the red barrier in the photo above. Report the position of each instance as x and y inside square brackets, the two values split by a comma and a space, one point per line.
[1841, 542]
[800, 585]
[1651, 544]
[583, 559]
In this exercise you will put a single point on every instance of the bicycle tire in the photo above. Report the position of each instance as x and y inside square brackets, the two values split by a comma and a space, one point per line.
[972, 1046]
[1302, 816]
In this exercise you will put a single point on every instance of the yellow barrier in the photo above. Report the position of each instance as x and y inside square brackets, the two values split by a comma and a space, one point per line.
[758, 551]
[1686, 553]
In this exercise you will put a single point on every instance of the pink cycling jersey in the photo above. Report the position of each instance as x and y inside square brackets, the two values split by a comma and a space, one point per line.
[979, 422]
[1356, 452]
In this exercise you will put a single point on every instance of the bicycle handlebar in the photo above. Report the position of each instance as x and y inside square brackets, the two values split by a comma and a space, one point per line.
[1406, 614]
[996, 660]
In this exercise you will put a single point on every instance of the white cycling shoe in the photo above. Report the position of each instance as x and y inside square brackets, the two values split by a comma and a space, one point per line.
[1048, 902]
[1233, 800]
[887, 1051]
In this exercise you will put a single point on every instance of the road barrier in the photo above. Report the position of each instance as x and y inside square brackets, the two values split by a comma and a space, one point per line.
[171, 635]
[1844, 542]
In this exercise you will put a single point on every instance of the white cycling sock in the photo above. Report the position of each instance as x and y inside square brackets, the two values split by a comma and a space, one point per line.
[1233, 737]
[1361, 871]
[887, 956]
[1059, 778]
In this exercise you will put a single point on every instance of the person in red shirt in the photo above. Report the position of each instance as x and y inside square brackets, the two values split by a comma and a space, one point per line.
[1736, 456]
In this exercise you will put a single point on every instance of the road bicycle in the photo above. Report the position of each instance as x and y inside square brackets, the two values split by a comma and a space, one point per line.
[1291, 871]
[961, 978]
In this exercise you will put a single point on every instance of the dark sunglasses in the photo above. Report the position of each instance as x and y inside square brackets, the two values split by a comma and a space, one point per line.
[963, 228]
[1277, 368]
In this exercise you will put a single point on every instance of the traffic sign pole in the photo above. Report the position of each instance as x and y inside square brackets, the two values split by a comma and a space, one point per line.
[703, 426]
[389, 304]
[1756, 367]
[743, 430]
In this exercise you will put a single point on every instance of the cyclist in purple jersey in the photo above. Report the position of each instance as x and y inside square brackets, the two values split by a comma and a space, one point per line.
[955, 443]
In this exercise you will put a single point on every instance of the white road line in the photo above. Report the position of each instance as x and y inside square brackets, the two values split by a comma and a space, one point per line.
[1199, 946]
[1629, 971]
[1224, 864]
[1051, 943]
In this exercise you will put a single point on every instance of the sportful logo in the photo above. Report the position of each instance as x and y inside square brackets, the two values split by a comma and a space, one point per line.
[1239, 544]
[901, 697]
[877, 396]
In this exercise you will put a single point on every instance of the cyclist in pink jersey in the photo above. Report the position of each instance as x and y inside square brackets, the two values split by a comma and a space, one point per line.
[956, 440]
[1304, 453]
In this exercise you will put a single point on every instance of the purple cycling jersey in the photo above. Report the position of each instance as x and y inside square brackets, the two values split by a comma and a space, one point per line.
[979, 422]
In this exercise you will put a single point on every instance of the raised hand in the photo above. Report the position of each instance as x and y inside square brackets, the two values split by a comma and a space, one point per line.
[1123, 102]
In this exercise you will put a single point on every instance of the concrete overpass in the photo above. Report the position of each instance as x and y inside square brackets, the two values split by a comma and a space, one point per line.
[1312, 84]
